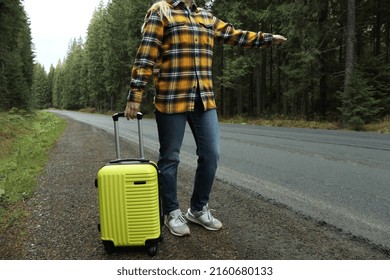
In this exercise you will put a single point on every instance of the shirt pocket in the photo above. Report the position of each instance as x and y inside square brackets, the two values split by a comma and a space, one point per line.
[206, 33]
[177, 32]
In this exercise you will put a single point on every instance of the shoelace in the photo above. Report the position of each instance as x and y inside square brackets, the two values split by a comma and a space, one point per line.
[182, 219]
[208, 213]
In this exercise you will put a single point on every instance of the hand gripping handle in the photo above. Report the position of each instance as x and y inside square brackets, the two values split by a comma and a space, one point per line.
[116, 117]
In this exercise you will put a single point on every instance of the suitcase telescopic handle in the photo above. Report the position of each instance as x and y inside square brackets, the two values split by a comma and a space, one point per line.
[116, 117]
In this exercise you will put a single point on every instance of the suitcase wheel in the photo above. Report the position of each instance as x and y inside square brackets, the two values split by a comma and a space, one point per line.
[109, 246]
[151, 248]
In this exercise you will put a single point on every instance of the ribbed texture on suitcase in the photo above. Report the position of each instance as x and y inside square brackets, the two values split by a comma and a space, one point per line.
[129, 204]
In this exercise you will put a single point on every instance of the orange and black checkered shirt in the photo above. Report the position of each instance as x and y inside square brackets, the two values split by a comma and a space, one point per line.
[178, 51]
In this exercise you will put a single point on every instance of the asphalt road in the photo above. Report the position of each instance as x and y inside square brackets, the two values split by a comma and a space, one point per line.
[338, 177]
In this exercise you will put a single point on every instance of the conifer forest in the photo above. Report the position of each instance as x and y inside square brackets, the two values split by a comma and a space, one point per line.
[335, 65]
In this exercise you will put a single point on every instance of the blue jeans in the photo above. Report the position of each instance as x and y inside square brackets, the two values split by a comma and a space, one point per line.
[205, 129]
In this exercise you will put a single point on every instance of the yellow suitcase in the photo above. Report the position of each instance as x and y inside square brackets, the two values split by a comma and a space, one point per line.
[129, 200]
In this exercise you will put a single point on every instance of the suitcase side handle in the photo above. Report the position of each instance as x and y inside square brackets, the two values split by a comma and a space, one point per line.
[115, 118]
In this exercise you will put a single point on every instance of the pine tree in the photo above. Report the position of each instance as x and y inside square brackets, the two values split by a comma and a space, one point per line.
[74, 90]
[16, 56]
[40, 88]
[96, 50]
[358, 105]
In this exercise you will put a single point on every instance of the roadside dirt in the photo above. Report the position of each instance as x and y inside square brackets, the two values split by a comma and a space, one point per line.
[63, 214]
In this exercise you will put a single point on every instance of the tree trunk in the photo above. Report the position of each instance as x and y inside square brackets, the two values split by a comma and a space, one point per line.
[258, 89]
[387, 42]
[238, 91]
[278, 81]
[323, 60]
[271, 79]
[223, 89]
[263, 90]
[350, 42]
[377, 29]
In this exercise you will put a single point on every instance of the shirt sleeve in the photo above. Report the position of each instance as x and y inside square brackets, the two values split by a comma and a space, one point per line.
[146, 57]
[227, 34]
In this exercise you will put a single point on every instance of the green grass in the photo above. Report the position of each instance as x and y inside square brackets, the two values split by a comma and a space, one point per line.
[26, 139]
[379, 127]
[283, 122]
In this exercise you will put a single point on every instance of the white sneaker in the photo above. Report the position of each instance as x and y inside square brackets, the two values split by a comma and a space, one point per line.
[176, 223]
[204, 218]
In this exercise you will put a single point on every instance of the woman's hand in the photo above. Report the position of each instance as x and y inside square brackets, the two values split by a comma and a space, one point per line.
[132, 108]
[278, 39]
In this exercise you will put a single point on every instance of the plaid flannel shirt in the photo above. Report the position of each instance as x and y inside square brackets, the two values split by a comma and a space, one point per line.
[178, 53]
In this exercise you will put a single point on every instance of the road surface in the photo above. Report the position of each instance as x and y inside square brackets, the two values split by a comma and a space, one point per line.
[337, 177]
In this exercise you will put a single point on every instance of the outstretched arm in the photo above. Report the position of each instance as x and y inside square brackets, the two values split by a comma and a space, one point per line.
[227, 34]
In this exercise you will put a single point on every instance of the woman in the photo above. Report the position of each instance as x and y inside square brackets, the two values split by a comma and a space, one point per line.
[177, 48]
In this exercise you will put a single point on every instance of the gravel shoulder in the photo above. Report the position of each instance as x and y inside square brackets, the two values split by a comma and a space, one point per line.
[63, 215]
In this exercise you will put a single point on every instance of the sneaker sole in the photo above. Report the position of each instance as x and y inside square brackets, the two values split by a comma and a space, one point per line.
[194, 220]
[175, 233]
